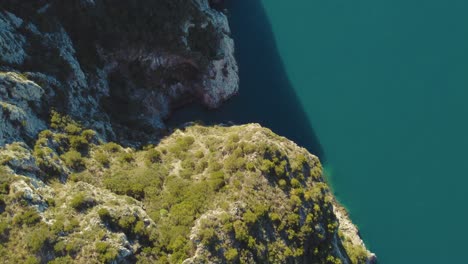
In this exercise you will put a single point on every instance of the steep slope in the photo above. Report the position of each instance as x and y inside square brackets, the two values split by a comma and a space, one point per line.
[237, 194]
[119, 66]
[114, 69]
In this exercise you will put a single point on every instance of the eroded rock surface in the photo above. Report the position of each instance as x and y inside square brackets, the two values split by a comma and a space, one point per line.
[118, 66]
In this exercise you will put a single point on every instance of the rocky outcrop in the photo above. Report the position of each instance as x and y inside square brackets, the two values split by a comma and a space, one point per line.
[11, 41]
[238, 194]
[118, 66]
[351, 237]
[20, 106]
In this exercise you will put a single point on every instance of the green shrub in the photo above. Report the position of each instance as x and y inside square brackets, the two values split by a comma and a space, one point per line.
[186, 142]
[186, 173]
[207, 236]
[230, 147]
[282, 183]
[250, 149]
[73, 246]
[231, 255]
[88, 134]
[252, 242]
[72, 225]
[80, 202]
[112, 147]
[45, 159]
[136, 182]
[4, 230]
[216, 180]
[148, 147]
[58, 226]
[101, 247]
[4, 187]
[249, 217]
[126, 157]
[292, 219]
[62, 260]
[250, 166]
[333, 260]
[79, 143]
[234, 164]
[182, 214]
[127, 183]
[140, 228]
[64, 123]
[316, 172]
[57, 121]
[201, 166]
[215, 166]
[241, 231]
[188, 164]
[280, 168]
[295, 183]
[50, 202]
[31, 260]
[356, 253]
[295, 201]
[47, 134]
[63, 142]
[199, 154]
[153, 156]
[127, 222]
[73, 159]
[38, 238]
[106, 253]
[59, 247]
[104, 214]
[29, 217]
[274, 217]
[299, 162]
[75, 177]
[233, 138]
[102, 158]
[182, 145]
[72, 129]
[4, 159]
[267, 166]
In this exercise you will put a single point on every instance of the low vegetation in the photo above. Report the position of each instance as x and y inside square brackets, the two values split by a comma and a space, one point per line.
[231, 194]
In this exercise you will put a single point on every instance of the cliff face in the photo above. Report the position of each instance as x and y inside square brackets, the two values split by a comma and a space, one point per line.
[115, 65]
[76, 75]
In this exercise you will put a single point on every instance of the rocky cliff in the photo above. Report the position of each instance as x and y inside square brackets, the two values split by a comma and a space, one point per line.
[237, 194]
[76, 75]
[118, 66]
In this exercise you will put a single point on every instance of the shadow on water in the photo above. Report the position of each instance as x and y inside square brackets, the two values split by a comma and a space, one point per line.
[266, 95]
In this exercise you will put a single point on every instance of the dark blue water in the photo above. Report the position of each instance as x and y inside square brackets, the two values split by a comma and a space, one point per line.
[379, 91]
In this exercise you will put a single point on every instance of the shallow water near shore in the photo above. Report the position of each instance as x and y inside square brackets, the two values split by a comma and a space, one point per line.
[378, 90]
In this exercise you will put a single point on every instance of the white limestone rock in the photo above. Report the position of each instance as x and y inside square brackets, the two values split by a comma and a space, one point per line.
[17, 97]
[11, 41]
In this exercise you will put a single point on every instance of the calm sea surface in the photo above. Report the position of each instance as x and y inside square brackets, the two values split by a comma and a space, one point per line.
[379, 90]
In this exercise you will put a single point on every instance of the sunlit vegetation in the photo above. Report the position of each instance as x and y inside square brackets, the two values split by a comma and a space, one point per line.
[236, 197]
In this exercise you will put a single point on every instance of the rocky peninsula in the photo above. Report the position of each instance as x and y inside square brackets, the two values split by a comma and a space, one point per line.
[89, 172]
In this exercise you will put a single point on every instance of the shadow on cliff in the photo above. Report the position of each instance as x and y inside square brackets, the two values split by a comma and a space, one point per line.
[266, 95]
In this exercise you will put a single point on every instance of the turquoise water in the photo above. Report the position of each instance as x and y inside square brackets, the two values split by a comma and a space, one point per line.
[379, 90]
